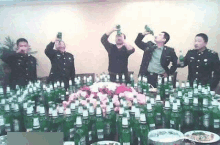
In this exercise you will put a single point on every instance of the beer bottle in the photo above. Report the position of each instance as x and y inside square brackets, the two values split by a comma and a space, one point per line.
[149, 30]
[43, 119]
[207, 115]
[158, 112]
[16, 118]
[92, 124]
[150, 117]
[166, 114]
[2, 125]
[216, 117]
[139, 85]
[123, 79]
[117, 79]
[188, 115]
[118, 29]
[175, 122]
[125, 134]
[108, 135]
[36, 124]
[132, 80]
[181, 58]
[29, 119]
[8, 118]
[144, 130]
[55, 120]
[99, 124]
[85, 124]
[79, 137]
[196, 120]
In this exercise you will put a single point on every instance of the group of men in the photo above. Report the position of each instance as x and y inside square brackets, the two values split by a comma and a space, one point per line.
[203, 63]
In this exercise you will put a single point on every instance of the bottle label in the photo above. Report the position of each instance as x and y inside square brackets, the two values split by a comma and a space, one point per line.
[72, 130]
[1, 121]
[29, 129]
[187, 117]
[158, 117]
[152, 126]
[82, 141]
[216, 123]
[7, 127]
[90, 135]
[206, 120]
[107, 128]
[16, 125]
[100, 134]
[126, 143]
[173, 124]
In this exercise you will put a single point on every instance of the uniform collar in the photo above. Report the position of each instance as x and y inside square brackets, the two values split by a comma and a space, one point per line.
[202, 51]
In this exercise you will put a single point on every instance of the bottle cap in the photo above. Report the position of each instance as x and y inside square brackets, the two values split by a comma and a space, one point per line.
[98, 111]
[186, 100]
[36, 122]
[149, 107]
[72, 106]
[205, 101]
[137, 113]
[124, 121]
[167, 104]
[195, 100]
[85, 113]
[152, 101]
[175, 108]
[177, 84]
[143, 117]
[158, 98]
[70, 82]
[54, 114]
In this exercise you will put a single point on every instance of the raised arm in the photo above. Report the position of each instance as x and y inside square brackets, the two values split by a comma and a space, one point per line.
[104, 39]
[138, 41]
[185, 61]
[8, 57]
[50, 51]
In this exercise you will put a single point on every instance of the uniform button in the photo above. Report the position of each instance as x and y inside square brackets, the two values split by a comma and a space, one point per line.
[196, 72]
[198, 60]
[64, 57]
[64, 63]
[199, 54]
[27, 74]
[18, 63]
[64, 69]
[197, 66]
[26, 68]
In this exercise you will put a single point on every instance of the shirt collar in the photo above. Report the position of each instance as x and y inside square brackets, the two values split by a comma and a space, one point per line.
[202, 51]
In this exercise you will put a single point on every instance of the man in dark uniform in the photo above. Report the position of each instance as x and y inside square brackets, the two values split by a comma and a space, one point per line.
[156, 57]
[203, 64]
[118, 55]
[22, 64]
[62, 63]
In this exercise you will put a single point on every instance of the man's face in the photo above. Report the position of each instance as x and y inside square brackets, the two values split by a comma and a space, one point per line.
[199, 43]
[160, 38]
[119, 39]
[61, 46]
[23, 46]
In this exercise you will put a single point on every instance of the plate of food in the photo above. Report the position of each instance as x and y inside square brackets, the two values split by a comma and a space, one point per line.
[106, 143]
[69, 143]
[201, 136]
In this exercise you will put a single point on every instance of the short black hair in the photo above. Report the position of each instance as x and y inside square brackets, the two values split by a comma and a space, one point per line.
[204, 36]
[21, 40]
[124, 35]
[166, 36]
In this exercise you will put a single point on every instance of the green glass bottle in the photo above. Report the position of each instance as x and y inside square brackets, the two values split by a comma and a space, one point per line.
[175, 119]
[43, 119]
[150, 117]
[79, 137]
[136, 127]
[92, 124]
[166, 114]
[188, 115]
[118, 29]
[139, 85]
[132, 80]
[69, 128]
[181, 58]
[2, 124]
[99, 124]
[125, 133]
[144, 130]
[158, 112]
[207, 115]
[149, 30]
[36, 123]
[108, 135]
[16, 118]
[8, 118]
[55, 121]
[196, 121]
[216, 117]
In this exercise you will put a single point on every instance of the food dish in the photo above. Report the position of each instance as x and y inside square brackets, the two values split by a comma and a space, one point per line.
[106, 143]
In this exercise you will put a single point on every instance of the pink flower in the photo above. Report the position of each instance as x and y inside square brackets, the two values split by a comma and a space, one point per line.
[129, 96]
[116, 109]
[83, 102]
[117, 103]
[141, 98]
[122, 89]
[65, 104]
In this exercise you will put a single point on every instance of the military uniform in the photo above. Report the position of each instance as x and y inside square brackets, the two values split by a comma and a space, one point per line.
[203, 66]
[23, 68]
[62, 65]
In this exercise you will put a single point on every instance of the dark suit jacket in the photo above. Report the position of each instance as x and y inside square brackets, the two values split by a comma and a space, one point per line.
[23, 68]
[168, 55]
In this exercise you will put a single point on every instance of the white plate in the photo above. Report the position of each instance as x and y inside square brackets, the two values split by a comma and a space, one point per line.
[69, 143]
[165, 135]
[215, 139]
[106, 142]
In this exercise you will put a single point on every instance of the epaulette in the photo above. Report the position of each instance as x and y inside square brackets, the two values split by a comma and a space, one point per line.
[212, 51]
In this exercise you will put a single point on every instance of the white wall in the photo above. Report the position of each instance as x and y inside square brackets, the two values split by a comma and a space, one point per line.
[83, 25]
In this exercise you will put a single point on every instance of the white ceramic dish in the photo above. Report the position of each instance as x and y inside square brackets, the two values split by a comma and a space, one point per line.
[69, 143]
[165, 135]
[106, 143]
[215, 136]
